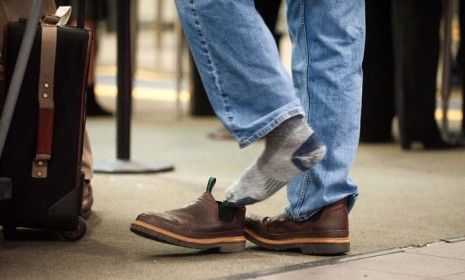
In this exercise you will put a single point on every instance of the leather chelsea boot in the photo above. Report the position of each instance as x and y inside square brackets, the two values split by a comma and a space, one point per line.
[325, 233]
[203, 224]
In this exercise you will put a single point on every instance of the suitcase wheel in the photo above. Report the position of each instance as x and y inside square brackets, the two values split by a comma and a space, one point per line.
[75, 235]
[9, 232]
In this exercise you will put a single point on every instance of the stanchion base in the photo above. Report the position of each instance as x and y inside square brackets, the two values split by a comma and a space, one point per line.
[131, 167]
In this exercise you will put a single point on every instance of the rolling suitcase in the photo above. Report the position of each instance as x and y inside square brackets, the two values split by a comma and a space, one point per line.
[43, 149]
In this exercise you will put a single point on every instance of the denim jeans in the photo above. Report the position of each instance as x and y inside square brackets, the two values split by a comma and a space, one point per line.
[252, 93]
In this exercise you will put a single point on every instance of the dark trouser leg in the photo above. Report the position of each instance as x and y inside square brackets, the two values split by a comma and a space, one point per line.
[461, 58]
[269, 10]
[378, 69]
[416, 48]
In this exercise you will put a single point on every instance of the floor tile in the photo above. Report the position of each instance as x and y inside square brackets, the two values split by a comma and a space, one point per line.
[412, 264]
[339, 271]
[448, 250]
[458, 276]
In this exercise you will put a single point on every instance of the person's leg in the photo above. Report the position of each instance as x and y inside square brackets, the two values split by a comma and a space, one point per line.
[87, 159]
[87, 164]
[416, 50]
[250, 92]
[461, 59]
[254, 97]
[200, 106]
[328, 38]
[328, 44]
[239, 64]
[378, 70]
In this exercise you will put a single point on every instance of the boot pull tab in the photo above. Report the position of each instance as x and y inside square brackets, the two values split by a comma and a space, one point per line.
[211, 184]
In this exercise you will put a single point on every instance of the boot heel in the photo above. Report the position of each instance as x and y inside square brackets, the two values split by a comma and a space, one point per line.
[232, 247]
[325, 249]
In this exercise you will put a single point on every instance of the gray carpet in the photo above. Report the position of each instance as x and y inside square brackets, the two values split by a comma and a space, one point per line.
[406, 198]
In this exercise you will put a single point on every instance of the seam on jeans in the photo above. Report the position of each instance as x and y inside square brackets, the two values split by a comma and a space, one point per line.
[303, 187]
[206, 51]
[302, 190]
[307, 57]
[272, 125]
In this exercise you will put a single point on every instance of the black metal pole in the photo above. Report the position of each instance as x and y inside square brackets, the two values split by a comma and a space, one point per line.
[123, 164]
[124, 100]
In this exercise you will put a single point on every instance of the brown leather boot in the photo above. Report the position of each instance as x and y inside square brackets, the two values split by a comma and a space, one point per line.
[87, 200]
[325, 233]
[203, 224]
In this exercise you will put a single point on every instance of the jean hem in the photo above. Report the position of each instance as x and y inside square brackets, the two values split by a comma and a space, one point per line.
[292, 112]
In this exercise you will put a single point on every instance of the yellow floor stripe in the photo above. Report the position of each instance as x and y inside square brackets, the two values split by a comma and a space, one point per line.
[169, 95]
[140, 74]
[155, 94]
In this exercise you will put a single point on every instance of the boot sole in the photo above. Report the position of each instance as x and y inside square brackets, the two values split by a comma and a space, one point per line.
[223, 244]
[308, 245]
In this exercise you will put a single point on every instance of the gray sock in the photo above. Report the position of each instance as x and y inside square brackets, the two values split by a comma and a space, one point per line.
[291, 148]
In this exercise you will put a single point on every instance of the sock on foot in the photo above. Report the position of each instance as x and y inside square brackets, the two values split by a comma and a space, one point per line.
[291, 148]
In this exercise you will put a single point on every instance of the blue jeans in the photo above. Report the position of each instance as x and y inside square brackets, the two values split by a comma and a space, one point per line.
[252, 93]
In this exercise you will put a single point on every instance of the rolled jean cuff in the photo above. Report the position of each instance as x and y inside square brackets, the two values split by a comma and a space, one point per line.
[282, 115]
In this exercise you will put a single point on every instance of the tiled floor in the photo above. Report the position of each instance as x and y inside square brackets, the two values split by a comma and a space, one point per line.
[445, 261]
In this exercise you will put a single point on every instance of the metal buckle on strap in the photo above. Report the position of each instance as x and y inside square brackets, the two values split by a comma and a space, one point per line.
[40, 166]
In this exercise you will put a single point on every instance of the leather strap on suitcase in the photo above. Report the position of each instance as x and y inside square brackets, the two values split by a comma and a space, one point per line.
[12, 11]
[46, 104]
